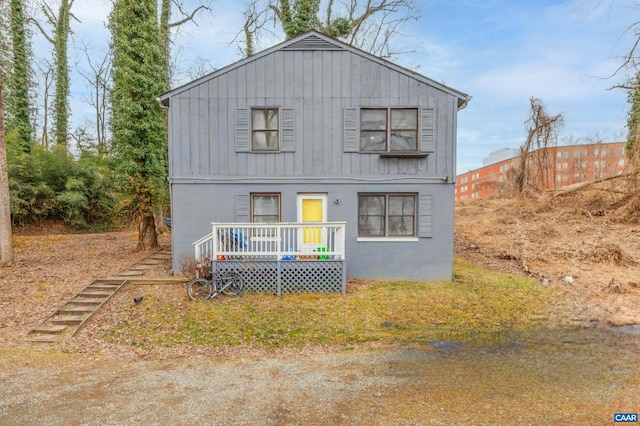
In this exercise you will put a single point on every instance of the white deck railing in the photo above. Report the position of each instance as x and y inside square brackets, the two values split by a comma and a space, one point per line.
[274, 241]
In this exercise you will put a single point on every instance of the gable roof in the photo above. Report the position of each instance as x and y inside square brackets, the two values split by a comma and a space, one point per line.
[314, 40]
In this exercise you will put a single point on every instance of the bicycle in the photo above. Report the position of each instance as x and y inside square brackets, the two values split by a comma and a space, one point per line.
[228, 283]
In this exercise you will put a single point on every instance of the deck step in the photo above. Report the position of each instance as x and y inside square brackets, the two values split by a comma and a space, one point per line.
[44, 338]
[130, 273]
[94, 293]
[68, 319]
[91, 303]
[150, 262]
[51, 329]
[86, 299]
[77, 309]
[109, 287]
[106, 281]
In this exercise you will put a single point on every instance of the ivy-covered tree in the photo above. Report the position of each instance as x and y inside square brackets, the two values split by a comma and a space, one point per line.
[61, 23]
[6, 248]
[137, 125]
[633, 123]
[19, 81]
[298, 16]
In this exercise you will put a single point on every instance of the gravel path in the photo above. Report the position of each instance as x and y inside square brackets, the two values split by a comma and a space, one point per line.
[579, 377]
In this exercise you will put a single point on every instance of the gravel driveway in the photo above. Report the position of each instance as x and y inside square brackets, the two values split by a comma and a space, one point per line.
[570, 377]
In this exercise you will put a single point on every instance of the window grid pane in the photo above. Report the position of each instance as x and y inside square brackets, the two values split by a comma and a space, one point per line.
[266, 140]
[404, 119]
[264, 119]
[401, 215]
[373, 141]
[404, 140]
[404, 129]
[373, 119]
[371, 217]
[373, 125]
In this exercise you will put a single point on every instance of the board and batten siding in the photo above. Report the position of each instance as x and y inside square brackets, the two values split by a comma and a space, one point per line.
[314, 89]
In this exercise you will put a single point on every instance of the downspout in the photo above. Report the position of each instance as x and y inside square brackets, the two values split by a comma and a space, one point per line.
[166, 108]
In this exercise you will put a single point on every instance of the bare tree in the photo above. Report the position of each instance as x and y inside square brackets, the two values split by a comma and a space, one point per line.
[370, 25]
[98, 81]
[166, 25]
[48, 73]
[535, 168]
[6, 247]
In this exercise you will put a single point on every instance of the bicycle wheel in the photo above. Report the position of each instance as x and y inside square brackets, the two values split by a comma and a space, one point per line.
[199, 289]
[231, 284]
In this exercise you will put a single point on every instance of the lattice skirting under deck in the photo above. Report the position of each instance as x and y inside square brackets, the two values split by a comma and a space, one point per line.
[279, 276]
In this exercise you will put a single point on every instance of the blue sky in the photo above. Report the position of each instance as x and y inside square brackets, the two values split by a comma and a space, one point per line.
[501, 52]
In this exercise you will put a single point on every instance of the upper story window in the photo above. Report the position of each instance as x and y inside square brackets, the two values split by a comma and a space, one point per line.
[388, 129]
[265, 129]
[386, 215]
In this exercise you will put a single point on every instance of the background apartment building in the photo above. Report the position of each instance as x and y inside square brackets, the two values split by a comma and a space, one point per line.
[547, 168]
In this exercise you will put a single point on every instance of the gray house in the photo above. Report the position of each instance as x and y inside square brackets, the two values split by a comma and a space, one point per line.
[315, 132]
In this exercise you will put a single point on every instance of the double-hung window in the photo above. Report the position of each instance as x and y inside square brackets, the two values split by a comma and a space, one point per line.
[386, 215]
[265, 129]
[265, 208]
[388, 129]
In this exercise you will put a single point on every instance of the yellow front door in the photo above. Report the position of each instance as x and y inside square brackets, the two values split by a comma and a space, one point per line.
[312, 208]
[312, 212]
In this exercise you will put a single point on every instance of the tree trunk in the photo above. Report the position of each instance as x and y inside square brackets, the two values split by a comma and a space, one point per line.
[147, 236]
[19, 80]
[6, 248]
[62, 32]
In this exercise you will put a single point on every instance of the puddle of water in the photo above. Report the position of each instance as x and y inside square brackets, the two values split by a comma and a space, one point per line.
[627, 329]
[446, 346]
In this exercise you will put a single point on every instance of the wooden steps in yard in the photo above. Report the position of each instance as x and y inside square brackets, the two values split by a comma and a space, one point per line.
[71, 316]
[141, 267]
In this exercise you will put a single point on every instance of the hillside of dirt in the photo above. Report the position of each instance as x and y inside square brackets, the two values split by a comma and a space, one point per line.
[582, 242]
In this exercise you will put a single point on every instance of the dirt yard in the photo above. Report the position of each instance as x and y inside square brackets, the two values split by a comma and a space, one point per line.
[584, 242]
[579, 243]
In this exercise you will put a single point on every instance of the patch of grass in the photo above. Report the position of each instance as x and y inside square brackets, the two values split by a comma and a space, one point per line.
[480, 304]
